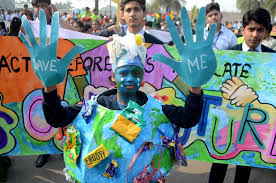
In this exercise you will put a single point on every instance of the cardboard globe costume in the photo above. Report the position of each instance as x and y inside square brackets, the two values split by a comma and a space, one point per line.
[128, 145]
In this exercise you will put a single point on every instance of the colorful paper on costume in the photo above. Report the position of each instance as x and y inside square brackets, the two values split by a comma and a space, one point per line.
[96, 156]
[110, 169]
[72, 146]
[135, 113]
[97, 132]
[130, 122]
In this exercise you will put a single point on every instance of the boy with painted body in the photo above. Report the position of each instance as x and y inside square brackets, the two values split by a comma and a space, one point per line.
[128, 75]
[98, 121]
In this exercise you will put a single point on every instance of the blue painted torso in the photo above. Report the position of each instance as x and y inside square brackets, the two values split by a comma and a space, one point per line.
[97, 131]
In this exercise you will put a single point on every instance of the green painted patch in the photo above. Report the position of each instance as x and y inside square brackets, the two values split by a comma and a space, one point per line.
[103, 117]
[166, 161]
[158, 120]
[173, 52]
[88, 44]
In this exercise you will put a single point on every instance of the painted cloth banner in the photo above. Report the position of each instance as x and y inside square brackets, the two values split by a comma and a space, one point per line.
[164, 36]
[237, 125]
[64, 33]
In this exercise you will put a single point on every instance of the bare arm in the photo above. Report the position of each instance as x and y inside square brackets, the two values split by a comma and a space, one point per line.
[63, 24]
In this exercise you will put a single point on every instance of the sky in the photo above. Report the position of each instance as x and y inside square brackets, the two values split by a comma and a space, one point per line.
[225, 5]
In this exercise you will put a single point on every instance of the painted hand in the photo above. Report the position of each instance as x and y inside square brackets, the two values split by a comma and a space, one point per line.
[237, 92]
[44, 57]
[230, 86]
[198, 61]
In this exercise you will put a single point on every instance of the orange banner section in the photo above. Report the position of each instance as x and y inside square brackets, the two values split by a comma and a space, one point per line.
[17, 78]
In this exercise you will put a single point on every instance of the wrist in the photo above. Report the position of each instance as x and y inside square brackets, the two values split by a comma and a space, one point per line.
[195, 90]
[109, 30]
[49, 89]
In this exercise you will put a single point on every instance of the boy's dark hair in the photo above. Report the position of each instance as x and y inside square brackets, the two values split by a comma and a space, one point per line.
[212, 6]
[149, 23]
[86, 27]
[80, 24]
[141, 2]
[37, 1]
[14, 26]
[3, 25]
[25, 5]
[259, 15]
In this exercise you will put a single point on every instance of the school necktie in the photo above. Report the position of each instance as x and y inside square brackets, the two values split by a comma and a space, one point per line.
[254, 50]
[123, 33]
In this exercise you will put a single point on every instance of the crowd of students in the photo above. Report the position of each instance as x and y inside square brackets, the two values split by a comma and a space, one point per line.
[105, 25]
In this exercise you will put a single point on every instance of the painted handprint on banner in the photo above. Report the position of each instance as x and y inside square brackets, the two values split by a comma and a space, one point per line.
[237, 92]
[198, 61]
[257, 119]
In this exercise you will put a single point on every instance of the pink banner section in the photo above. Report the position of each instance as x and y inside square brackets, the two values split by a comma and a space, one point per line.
[97, 62]
[271, 153]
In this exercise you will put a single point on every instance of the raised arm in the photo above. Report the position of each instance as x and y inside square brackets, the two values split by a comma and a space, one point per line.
[55, 114]
[48, 69]
[197, 66]
[187, 116]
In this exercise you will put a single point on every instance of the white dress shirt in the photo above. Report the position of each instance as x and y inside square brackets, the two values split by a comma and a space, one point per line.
[223, 40]
[246, 48]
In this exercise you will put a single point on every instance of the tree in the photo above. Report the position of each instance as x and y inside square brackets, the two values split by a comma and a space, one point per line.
[194, 13]
[67, 5]
[96, 4]
[7, 4]
[245, 5]
[107, 9]
[270, 5]
[25, 1]
[174, 5]
[149, 8]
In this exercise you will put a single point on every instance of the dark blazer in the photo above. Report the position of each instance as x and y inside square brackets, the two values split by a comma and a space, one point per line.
[103, 33]
[264, 48]
[148, 38]
[151, 39]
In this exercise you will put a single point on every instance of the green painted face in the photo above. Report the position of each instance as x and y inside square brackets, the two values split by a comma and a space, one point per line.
[128, 79]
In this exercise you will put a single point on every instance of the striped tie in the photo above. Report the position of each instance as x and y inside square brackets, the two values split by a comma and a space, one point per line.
[254, 50]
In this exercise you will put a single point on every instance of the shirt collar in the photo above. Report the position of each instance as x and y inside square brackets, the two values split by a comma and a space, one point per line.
[246, 48]
[120, 105]
[37, 21]
[123, 27]
[222, 29]
[142, 31]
